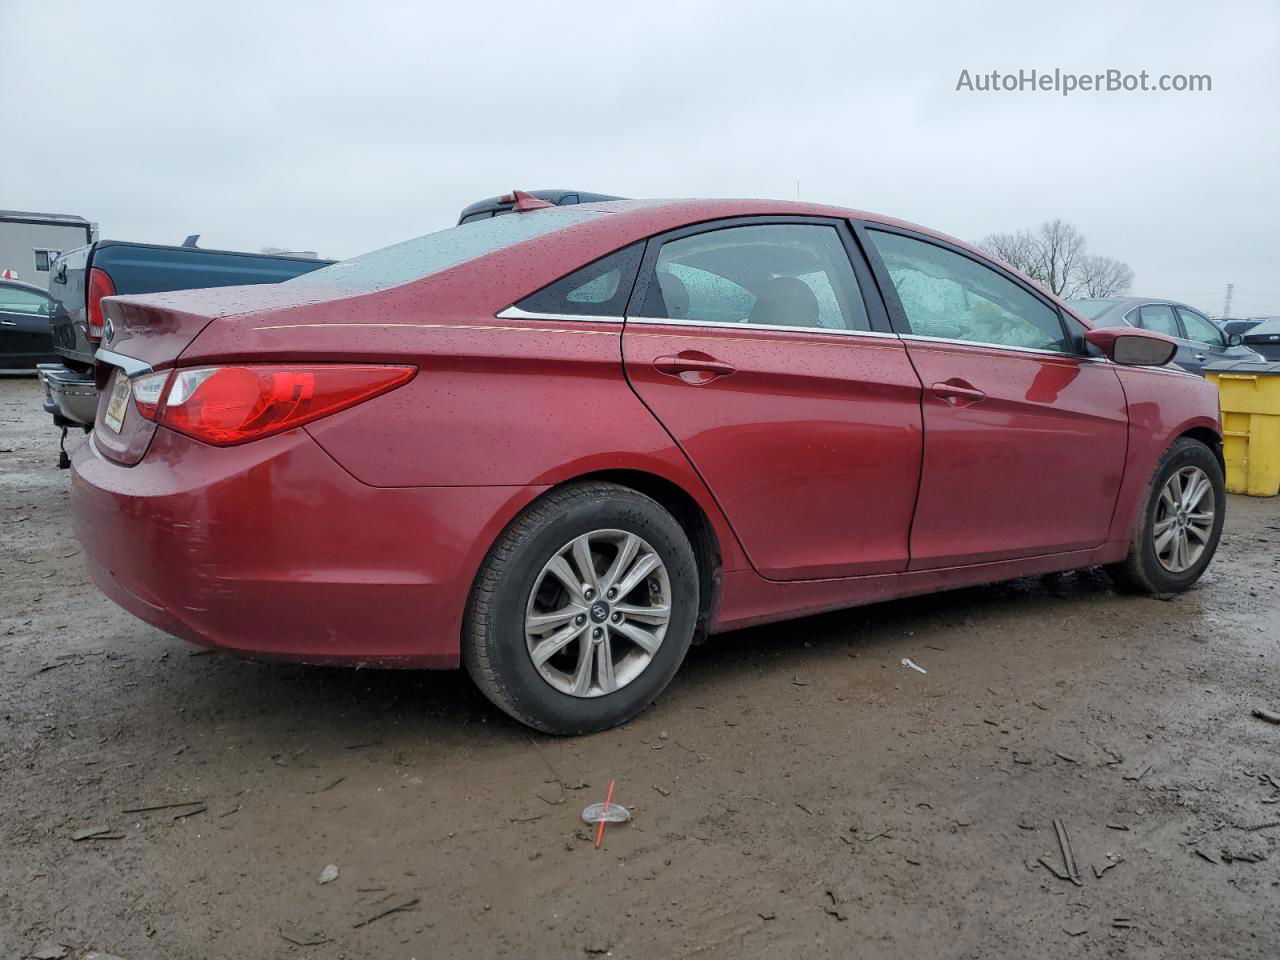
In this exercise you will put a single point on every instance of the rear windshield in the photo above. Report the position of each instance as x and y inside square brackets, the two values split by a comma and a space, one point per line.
[1090, 308]
[423, 256]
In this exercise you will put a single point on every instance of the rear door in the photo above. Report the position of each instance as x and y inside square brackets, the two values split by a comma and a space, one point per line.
[1025, 436]
[752, 342]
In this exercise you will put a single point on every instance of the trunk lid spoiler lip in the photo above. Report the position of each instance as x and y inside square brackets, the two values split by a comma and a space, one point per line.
[129, 365]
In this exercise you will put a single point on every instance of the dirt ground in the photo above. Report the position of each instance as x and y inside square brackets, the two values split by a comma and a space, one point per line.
[798, 792]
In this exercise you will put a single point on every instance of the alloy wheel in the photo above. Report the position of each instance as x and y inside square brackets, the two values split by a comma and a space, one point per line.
[1184, 519]
[597, 613]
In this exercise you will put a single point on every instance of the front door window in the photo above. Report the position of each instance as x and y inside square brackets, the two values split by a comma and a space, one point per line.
[952, 297]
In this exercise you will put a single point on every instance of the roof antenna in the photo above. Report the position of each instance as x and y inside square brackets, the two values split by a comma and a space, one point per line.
[191, 240]
[524, 202]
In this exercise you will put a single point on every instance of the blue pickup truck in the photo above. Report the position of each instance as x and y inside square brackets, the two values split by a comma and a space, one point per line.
[80, 278]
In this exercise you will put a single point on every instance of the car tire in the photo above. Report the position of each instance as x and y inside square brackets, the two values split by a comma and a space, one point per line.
[520, 607]
[1153, 564]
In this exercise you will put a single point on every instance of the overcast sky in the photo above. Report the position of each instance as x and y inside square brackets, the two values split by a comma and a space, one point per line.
[347, 126]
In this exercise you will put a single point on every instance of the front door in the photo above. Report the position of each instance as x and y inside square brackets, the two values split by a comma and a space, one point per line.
[1025, 437]
[1208, 343]
[753, 345]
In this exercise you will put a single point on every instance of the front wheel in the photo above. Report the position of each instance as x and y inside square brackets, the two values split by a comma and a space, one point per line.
[1180, 523]
[583, 610]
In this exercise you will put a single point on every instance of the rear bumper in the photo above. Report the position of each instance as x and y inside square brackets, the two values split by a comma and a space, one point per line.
[69, 395]
[273, 550]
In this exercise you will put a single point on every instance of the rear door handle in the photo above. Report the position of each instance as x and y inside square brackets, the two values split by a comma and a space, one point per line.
[1200, 357]
[955, 393]
[694, 367]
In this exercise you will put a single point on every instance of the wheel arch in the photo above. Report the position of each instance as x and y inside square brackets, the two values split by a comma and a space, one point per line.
[1208, 437]
[691, 516]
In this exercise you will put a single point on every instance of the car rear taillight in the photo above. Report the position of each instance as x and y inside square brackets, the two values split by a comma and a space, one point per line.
[148, 391]
[100, 286]
[235, 404]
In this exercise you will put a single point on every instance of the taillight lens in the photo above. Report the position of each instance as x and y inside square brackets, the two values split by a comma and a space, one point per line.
[100, 286]
[148, 391]
[229, 405]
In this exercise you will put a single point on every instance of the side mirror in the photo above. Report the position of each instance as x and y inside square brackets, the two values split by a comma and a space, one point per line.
[1133, 346]
[1234, 339]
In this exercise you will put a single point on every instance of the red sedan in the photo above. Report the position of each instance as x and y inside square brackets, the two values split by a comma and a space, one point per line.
[557, 445]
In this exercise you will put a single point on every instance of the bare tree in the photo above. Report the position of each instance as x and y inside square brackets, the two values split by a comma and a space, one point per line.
[1015, 249]
[1102, 277]
[1056, 257]
[1059, 249]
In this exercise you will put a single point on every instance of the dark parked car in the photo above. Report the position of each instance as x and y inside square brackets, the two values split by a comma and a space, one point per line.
[1238, 325]
[25, 338]
[556, 445]
[495, 206]
[1200, 340]
[80, 279]
[1265, 338]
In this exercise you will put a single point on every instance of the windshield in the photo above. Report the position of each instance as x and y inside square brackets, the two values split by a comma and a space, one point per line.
[434, 252]
[1090, 308]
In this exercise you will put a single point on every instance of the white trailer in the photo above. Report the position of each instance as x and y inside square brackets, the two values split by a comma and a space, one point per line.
[30, 242]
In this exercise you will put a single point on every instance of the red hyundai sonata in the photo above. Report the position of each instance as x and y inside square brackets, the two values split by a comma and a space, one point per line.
[557, 445]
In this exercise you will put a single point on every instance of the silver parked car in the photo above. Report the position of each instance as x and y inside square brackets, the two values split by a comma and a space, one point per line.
[1200, 340]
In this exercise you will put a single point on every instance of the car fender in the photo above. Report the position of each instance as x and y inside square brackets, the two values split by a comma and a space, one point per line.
[1163, 404]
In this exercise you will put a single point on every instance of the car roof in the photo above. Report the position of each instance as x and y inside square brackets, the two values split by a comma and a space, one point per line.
[23, 285]
[1122, 305]
[696, 210]
[1265, 328]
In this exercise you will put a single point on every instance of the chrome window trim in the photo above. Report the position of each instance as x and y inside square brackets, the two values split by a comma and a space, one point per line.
[1004, 346]
[132, 367]
[742, 326]
[1133, 311]
[515, 313]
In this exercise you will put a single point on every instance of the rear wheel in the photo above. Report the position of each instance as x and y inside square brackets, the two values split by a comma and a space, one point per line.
[1180, 523]
[583, 610]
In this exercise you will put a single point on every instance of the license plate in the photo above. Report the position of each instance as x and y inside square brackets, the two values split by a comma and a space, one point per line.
[118, 404]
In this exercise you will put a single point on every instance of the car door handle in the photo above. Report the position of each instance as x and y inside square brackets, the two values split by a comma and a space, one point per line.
[693, 367]
[955, 393]
[1199, 356]
[8, 323]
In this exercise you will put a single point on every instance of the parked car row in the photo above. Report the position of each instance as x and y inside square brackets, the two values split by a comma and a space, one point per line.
[456, 449]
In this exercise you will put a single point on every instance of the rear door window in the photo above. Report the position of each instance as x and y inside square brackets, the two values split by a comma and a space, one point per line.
[1159, 317]
[768, 274]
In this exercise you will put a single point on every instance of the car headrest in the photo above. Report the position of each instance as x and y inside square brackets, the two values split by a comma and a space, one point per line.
[675, 294]
[785, 302]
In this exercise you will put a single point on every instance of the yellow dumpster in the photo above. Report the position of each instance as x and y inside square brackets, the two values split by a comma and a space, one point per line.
[1249, 394]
